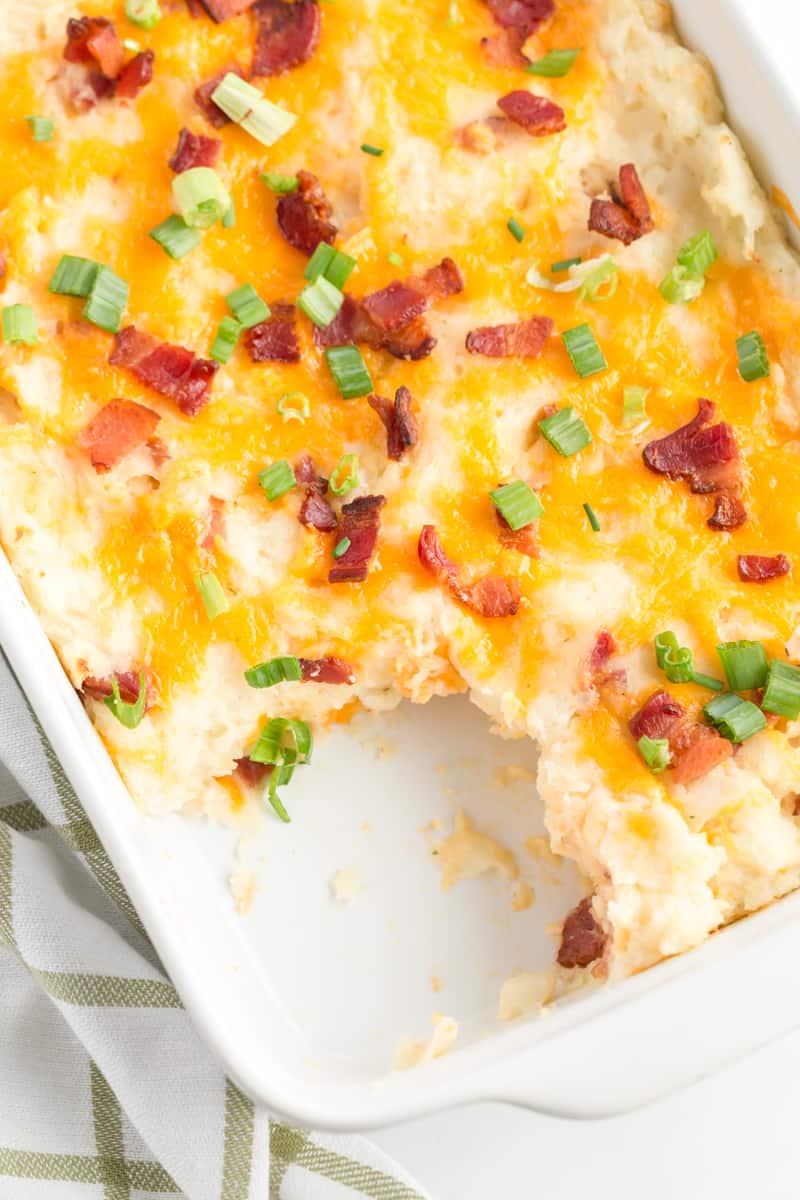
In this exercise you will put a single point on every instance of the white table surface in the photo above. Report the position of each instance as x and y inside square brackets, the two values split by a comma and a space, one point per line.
[734, 1136]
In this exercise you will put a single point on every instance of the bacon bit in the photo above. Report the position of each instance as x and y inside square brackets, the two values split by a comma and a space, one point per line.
[194, 150]
[523, 540]
[135, 75]
[275, 340]
[603, 651]
[317, 513]
[758, 568]
[304, 216]
[170, 370]
[708, 459]
[504, 49]
[92, 88]
[326, 670]
[95, 40]
[221, 10]
[361, 521]
[526, 16]
[537, 115]
[128, 684]
[117, 429]
[352, 324]
[250, 773]
[659, 716]
[288, 35]
[583, 939]
[522, 339]
[202, 96]
[696, 750]
[216, 524]
[305, 471]
[492, 596]
[626, 217]
[195, 9]
[398, 420]
[395, 305]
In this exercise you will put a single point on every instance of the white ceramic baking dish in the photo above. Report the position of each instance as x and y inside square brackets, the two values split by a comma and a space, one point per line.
[304, 1001]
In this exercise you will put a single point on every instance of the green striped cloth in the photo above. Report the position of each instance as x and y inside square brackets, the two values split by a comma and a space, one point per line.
[106, 1091]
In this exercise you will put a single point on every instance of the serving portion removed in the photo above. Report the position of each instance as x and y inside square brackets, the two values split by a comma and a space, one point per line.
[363, 351]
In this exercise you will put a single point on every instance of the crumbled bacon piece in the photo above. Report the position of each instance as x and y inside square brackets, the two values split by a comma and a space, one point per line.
[707, 457]
[135, 75]
[326, 670]
[305, 471]
[316, 512]
[522, 339]
[117, 429]
[626, 217]
[170, 370]
[92, 88]
[696, 750]
[275, 340]
[600, 673]
[128, 684]
[583, 939]
[221, 10]
[525, 16]
[492, 596]
[758, 568]
[250, 773]
[194, 150]
[398, 420]
[504, 49]
[361, 521]
[523, 540]
[95, 40]
[537, 115]
[215, 527]
[202, 96]
[304, 216]
[657, 718]
[288, 35]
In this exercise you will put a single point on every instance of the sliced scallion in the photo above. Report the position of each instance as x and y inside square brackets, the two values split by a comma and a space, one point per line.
[566, 431]
[633, 405]
[107, 300]
[744, 663]
[554, 64]
[736, 719]
[277, 479]
[593, 521]
[375, 151]
[144, 13]
[601, 282]
[341, 547]
[515, 229]
[752, 355]
[517, 504]
[655, 752]
[320, 301]
[277, 670]
[682, 285]
[294, 406]
[245, 105]
[19, 325]
[349, 371]
[228, 333]
[175, 237]
[698, 253]
[282, 184]
[585, 354]
[129, 715]
[344, 476]
[247, 306]
[214, 599]
[394, 259]
[564, 264]
[229, 218]
[73, 276]
[42, 128]
[334, 265]
[782, 693]
[200, 197]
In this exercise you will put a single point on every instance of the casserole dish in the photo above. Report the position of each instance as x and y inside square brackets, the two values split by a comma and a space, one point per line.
[304, 1002]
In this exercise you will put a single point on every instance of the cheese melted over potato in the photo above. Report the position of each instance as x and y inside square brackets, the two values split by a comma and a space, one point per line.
[108, 560]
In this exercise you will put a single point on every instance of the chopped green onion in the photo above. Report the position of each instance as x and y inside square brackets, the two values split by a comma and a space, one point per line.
[107, 300]
[601, 282]
[320, 301]
[736, 719]
[753, 358]
[229, 219]
[586, 356]
[344, 476]
[782, 693]
[677, 663]
[42, 128]
[73, 276]
[200, 197]
[698, 253]
[128, 715]
[564, 264]
[681, 286]
[566, 431]
[228, 333]
[247, 306]
[175, 237]
[334, 265]
[277, 479]
[744, 663]
[655, 752]
[245, 105]
[707, 681]
[341, 547]
[277, 670]
[517, 504]
[294, 406]
[593, 521]
[282, 184]
[633, 408]
[132, 45]
[144, 13]
[515, 229]
[394, 259]
[271, 747]
[349, 371]
[554, 64]
[375, 151]
[19, 325]
[214, 599]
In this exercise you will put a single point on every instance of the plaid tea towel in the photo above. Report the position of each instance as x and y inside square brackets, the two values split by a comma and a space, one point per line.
[106, 1091]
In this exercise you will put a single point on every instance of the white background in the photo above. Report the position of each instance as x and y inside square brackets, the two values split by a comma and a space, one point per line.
[735, 1136]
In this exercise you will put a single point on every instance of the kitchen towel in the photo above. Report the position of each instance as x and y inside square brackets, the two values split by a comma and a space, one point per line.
[106, 1091]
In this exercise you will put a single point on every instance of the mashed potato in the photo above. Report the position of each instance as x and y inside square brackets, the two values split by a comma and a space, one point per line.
[109, 559]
